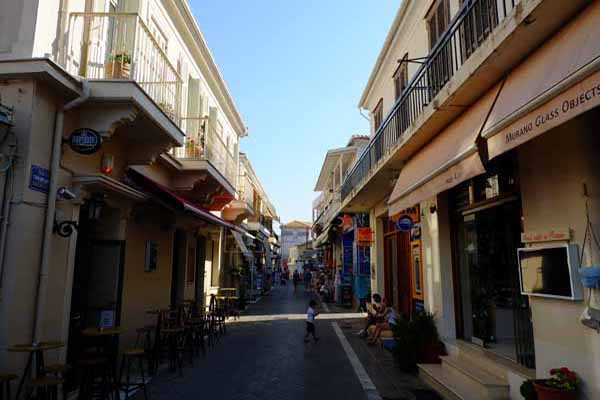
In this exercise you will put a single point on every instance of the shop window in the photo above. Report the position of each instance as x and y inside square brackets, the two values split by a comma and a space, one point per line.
[417, 270]
[378, 115]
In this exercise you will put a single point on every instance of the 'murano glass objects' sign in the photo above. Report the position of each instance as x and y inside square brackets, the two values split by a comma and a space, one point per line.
[85, 141]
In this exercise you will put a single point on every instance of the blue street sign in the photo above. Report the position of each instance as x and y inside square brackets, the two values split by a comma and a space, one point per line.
[405, 223]
[39, 179]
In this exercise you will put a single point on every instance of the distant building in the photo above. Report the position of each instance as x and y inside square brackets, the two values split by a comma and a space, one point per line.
[293, 233]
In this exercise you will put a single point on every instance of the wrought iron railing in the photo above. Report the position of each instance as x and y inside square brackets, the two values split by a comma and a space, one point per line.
[120, 46]
[468, 30]
[328, 208]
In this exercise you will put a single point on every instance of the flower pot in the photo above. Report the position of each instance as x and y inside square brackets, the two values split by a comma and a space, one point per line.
[116, 70]
[431, 353]
[549, 393]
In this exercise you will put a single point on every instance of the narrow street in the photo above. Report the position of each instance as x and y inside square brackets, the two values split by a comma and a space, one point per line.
[268, 359]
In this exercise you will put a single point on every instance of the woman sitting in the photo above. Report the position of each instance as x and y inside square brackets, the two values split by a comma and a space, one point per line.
[390, 318]
[374, 314]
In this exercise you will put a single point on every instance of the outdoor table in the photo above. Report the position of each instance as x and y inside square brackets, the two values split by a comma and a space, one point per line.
[36, 354]
[108, 345]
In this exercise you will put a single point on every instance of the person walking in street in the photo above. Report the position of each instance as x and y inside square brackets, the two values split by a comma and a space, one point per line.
[308, 281]
[296, 280]
[310, 322]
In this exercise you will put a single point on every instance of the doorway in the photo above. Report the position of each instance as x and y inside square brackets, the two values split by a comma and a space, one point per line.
[397, 268]
[96, 297]
[491, 312]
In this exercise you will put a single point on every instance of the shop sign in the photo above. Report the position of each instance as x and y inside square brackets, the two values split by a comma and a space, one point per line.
[347, 223]
[550, 235]
[85, 141]
[405, 223]
[413, 212]
[578, 99]
[364, 235]
[39, 179]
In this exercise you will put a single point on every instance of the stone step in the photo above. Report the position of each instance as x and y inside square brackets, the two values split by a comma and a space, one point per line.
[489, 385]
[490, 362]
[447, 386]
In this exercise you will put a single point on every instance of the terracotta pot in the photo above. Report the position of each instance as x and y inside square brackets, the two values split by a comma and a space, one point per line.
[548, 393]
[431, 353]
[116, 70]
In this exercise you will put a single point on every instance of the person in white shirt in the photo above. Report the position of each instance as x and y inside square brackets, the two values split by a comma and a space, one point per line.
[390, 318]
[310, 322]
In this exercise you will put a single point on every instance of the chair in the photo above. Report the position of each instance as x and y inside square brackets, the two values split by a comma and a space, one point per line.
[58, 371]
[128, 386]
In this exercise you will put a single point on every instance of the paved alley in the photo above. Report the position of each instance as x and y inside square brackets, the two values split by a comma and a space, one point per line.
[269, 360]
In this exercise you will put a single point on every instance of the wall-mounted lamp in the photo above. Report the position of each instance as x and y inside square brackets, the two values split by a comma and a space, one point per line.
[107, 164]
[433, 209]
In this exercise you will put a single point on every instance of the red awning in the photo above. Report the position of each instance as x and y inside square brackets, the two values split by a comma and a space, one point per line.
[173, 200]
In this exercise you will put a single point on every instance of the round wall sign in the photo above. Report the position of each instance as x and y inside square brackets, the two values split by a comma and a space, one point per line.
[85, 141]
[405, 223]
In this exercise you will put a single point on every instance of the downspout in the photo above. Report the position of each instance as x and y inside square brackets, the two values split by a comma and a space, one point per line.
[42, 288]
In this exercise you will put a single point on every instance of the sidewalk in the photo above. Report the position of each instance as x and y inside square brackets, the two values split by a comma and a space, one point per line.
[391, 383]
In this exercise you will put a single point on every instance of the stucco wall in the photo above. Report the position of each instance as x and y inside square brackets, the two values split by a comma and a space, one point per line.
[143, 291]
[552, 170]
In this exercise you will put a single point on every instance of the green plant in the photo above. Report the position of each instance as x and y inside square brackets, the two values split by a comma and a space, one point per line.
[563, 379]
[123, 58]
[405, 351]
[424, 325]
[527, 390]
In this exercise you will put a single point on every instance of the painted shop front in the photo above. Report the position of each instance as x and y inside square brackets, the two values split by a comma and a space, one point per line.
[510, 196]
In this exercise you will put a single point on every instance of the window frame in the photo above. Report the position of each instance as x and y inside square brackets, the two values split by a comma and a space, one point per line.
[377, 115]
[432, 19]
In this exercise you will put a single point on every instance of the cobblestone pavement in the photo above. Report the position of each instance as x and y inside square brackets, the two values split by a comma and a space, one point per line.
[268, 360]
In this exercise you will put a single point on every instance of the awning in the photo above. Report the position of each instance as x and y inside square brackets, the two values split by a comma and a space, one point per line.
[558, 82]
[267, 246]
[173, 200]
[240, 242]
[449, 159]
[323, 238]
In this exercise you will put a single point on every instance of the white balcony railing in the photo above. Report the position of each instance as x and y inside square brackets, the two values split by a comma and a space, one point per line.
[120, 46]
[206, 144]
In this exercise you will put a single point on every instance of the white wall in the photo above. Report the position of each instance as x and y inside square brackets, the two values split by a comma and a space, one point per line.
[552, 171]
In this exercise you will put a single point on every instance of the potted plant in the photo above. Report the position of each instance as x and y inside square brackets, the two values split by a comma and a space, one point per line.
[562, 385]
[429, 345]
[118, 66]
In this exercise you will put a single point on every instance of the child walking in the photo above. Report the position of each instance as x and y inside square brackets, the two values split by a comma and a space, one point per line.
[310, 322]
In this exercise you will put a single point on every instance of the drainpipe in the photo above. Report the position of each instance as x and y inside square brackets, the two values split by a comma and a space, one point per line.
[42, 288]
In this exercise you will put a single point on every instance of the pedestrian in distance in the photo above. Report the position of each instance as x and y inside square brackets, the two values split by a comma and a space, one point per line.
[296, 280]
[310, 322]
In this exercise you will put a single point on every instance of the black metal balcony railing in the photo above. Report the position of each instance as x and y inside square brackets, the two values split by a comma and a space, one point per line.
[468, 30]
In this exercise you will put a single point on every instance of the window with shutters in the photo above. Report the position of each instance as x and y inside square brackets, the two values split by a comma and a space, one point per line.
[401, 77]
[378, 115]
[438, 20]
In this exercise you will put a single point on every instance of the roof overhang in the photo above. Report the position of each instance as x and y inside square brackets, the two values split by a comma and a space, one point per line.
[331, 159]
[42, 69]
[103, 183]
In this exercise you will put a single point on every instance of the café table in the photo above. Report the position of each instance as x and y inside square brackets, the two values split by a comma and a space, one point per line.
[36, 355]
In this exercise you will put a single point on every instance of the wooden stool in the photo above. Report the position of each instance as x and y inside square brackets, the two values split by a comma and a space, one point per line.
[96, 379]
[47, 387]
[127, 386]
[5, 380]
[58, 371]
[174, 341]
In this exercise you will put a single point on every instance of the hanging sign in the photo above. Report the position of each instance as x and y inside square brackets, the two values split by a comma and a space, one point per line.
[85, 141]
[347, 223]
[364, 236]
[405, 223]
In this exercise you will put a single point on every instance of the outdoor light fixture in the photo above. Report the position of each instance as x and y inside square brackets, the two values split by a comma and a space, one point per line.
[107, 164]
[95, 205]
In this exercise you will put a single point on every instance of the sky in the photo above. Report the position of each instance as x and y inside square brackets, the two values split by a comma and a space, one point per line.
[296, 71]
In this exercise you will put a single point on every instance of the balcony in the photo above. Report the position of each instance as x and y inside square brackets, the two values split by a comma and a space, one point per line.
[485, 40]
[242, 207]
[204, 143]
[119, 46]
[327, 206]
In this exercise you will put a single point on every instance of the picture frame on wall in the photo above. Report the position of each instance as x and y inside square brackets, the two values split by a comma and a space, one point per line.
[151, 256]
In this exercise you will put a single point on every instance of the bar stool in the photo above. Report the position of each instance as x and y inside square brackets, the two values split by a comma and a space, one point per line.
[96, 378]
[173, 339]
[144, 341]
[5, 380]
[127, 386]
[58, 371]
[47, 387]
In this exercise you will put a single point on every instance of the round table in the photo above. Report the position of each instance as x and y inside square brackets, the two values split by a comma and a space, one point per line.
[36, 354]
